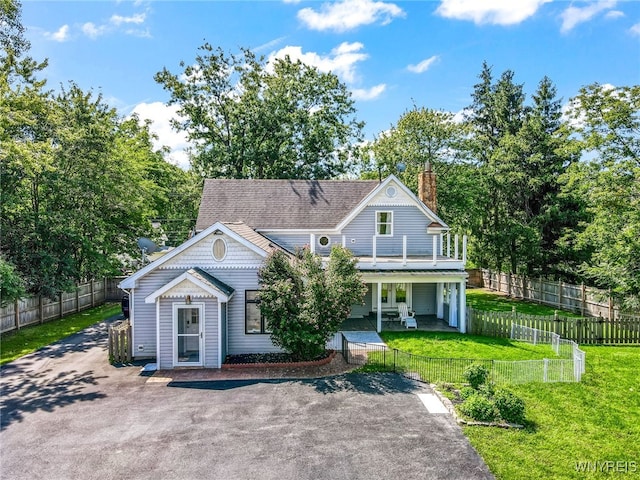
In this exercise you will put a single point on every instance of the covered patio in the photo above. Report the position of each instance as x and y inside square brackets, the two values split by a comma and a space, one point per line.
[426, 323]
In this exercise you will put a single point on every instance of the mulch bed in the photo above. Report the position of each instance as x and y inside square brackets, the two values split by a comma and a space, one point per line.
[266, 358]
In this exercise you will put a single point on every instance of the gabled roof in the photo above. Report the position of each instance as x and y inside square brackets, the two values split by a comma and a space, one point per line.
[201, 279]
[281, 204]
[245, 236]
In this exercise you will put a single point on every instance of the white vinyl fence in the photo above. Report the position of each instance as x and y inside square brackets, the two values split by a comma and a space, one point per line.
[569, 367]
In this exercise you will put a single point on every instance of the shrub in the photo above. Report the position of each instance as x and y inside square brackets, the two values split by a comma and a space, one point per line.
[476, 375]
[509, 406]
[479, 408]
[466, 392]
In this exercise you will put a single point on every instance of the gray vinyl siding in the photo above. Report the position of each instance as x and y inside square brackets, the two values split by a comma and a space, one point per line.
[423, 298]
[238, 340]
[165, 359]
[144, 323]
[223, 331]
[363, 310]
[409, 221]
[211, 333]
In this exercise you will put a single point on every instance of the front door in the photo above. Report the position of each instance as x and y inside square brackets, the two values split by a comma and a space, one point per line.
[188, 321]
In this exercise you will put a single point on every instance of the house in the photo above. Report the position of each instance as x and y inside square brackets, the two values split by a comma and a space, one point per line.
[197, 303]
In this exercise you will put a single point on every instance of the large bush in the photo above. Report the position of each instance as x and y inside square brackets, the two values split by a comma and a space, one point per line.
[510, 407]
[479, 408]
[304, 303]
[476, 375]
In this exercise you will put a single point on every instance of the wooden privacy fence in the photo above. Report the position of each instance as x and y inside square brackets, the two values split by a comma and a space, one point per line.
[32, 310]
[583, 300]
[120, 350]
[624, 329]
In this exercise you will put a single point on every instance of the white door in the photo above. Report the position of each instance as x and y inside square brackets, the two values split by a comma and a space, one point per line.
[187, 346]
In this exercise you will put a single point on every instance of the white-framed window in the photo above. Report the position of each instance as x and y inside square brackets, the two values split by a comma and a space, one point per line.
[324, 241]
[384, 223]
[255, 323]
[219, 249]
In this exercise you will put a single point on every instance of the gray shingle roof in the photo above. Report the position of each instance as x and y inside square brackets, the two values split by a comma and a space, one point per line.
[264, 204]
[252, 236]
[208, 278]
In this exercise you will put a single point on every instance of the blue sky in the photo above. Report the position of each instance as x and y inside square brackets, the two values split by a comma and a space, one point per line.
[390, 54]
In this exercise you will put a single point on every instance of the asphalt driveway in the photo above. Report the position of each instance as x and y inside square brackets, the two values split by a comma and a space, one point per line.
[68, 414]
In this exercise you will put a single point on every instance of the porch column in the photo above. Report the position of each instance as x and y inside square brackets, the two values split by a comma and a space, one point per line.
[379, 302]
[462, 308]
[440, 300]
[453, 304]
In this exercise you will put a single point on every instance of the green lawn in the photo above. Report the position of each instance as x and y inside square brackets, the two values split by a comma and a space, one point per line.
[459, 345]
[481, 299]
[597, 420]
[29, 339]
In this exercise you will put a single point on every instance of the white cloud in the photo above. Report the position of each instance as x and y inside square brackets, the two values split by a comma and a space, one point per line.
[424, 65]
[92, 30]
[635, 30]
[496, 12]
[61, 35]
[614, 14]
[137, 19]
[115, 22]
[573, 16]
[342, 60]
[160, 116]
[372, 93]
[346, 15]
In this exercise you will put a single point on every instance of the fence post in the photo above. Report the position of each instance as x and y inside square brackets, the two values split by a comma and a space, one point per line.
[40, 309]
[395, 356]
[600, 332]
[610, 306]
[16, 308]
[509, 284]
[579, 333]
[77, 299]
[560, 294]
[91, 289]
[61, 313]
[584, 299]
[556, 322]
[540, 298]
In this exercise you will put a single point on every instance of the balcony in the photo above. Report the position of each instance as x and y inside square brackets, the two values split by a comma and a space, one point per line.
[447, 253]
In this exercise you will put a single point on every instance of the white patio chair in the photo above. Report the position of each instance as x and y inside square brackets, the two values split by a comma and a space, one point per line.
[407, 318]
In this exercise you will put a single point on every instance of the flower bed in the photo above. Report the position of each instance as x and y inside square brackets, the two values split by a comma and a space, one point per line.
[273, 360]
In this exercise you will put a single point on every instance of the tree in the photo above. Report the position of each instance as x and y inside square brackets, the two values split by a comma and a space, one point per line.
[11, 285]
[607, 121]
[423, 136]
[250, 119]
[521, 151]
[304, 303]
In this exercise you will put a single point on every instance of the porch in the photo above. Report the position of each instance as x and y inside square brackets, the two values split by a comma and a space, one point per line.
[426, 323]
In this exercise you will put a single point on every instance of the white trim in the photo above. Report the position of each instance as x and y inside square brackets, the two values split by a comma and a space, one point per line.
[207, 287]
[158, 334]
[220, 334]
[320, 237]
[132, 322]
[213, 249]
[390, 212]
[131, 281]
[174, 319]
[391, 178]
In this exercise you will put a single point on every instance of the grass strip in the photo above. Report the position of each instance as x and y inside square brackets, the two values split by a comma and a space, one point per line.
[18, 343]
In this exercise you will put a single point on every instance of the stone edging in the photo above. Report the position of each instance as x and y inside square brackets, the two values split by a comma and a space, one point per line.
[312, 363]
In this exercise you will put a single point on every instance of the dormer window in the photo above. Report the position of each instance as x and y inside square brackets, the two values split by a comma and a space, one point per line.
[384, 223]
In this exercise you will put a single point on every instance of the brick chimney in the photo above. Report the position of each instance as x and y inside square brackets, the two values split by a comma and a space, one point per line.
[427, 188]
